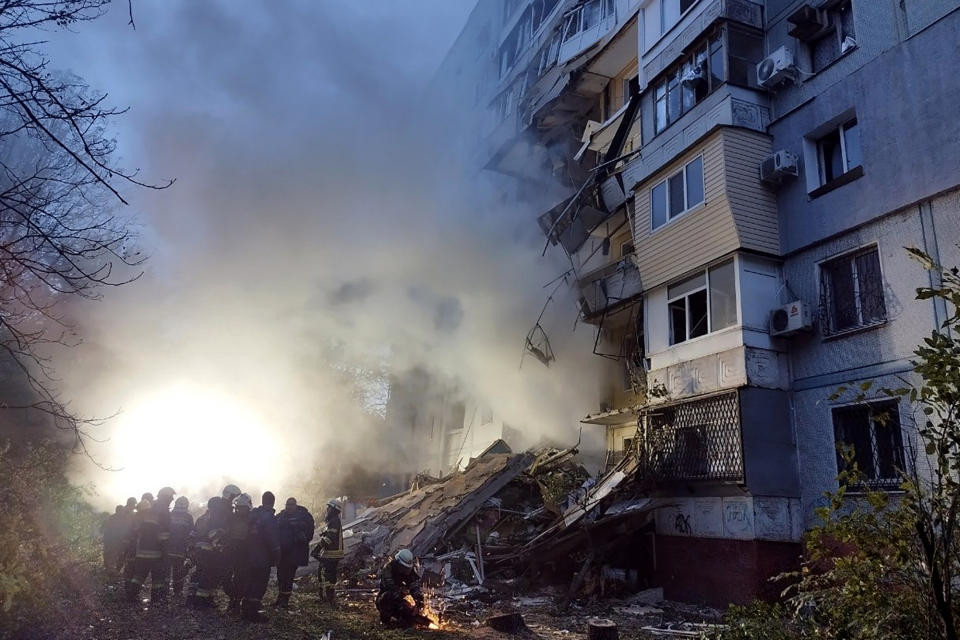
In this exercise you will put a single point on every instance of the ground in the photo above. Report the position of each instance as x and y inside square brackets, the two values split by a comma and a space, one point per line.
[98, 611]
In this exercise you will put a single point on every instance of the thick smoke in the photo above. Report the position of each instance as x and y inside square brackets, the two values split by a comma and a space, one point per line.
[322, 223]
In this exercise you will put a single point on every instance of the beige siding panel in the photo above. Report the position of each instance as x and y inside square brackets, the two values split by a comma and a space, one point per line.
[696, 238]
[753, 205]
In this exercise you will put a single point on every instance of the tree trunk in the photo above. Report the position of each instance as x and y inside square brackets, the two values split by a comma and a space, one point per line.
[601, 629]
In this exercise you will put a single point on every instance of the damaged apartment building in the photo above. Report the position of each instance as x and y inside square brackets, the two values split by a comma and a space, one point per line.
[733, 183]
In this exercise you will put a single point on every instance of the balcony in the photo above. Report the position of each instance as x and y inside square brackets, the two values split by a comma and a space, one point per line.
[694, 441]
[670, 47]
[610, 286]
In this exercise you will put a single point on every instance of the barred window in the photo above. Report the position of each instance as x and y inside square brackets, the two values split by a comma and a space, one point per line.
[852, 292]
[873, 430]
[696, 440]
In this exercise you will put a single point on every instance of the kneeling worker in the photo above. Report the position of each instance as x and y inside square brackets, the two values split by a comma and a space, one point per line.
[399, 579]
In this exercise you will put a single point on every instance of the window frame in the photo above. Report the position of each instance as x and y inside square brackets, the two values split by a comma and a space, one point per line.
[828, 313]
[840, 130]
[706, 286]
[879, 481]
[687, 206]
[835, 30]
[661, 88]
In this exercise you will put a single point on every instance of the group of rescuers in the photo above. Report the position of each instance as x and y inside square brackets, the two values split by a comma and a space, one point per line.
[234, 546]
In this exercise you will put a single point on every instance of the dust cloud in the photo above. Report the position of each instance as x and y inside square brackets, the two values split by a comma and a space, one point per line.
[323, 231]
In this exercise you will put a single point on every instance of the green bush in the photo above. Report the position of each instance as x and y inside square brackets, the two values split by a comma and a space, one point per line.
[47, 529]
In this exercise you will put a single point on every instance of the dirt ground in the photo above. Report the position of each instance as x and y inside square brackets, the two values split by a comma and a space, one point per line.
[98, 611]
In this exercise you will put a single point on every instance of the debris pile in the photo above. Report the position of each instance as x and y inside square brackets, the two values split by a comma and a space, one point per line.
[469, 527]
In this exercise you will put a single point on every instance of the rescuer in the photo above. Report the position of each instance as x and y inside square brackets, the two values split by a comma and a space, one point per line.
[296, 527]
[399, 579]
[112, 530]
[329, 552]
[152, 535]
[207, 538]
[223, 518]
[263, 552]
[181, 526]
[238, 531]
[130, 541]
[124, 527]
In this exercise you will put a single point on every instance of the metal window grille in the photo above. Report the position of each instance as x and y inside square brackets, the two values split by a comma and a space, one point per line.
[695, 440]
[874, 432]
[851, 294]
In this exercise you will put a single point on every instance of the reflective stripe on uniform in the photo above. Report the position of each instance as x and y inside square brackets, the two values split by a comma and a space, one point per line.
[148, 554]
[204, 593]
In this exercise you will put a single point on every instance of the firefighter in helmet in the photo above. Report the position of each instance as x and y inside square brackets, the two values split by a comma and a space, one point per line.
[181, 526]
[399, 579]
[329, 551]
[150, 560]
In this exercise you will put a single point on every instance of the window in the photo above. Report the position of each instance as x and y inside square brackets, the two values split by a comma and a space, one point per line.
[689, 82]
[677, 194]
[838, 39]
[626, 249]
[839, 152]
[873, 430]
[587, 15]
[852, 292]
[703, 303]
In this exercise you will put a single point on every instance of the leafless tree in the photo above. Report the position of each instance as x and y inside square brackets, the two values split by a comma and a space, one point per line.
[60, 189]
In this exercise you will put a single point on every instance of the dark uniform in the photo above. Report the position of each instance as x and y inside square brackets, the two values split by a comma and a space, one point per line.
[235, 576]
[263, 552]
[397, 582]
[112, 529]
[208, 539]
[181, 526]
[296, 531]
[151, 537]
[129, 554]
[124, 529]
[329, 551]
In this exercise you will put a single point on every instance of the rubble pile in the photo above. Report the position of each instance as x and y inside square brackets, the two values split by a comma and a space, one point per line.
[508, 523]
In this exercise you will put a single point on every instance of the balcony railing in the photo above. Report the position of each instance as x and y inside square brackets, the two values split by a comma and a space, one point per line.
[698, 440]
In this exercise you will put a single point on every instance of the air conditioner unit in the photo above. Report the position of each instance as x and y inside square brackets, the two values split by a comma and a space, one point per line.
[790, 319]
[808, 23]
[776, 67]
[694, 76]
[780, 165]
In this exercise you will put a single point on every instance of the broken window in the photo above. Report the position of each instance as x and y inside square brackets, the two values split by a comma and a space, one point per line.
[873, 430]
[688, 82]
[839, 37]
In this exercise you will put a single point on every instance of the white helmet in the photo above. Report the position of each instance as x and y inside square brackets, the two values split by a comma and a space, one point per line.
[230, 492]
[333, 502]
[405, 557]
[243, 500]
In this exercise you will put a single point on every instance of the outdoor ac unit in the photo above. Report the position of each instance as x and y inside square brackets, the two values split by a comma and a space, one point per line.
[780, 165]
[790, 319]
[808, 23]
[776, 67]
[693, 76]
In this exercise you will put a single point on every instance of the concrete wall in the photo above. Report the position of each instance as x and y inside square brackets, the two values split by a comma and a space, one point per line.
[820, 365]
[900, 165]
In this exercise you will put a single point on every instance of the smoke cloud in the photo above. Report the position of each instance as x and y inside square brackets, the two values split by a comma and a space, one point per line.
[323, 223]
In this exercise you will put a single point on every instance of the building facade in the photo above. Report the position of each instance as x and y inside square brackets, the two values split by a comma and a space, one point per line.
[734, 183]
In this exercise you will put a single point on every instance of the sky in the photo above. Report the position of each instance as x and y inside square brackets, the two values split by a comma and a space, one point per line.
[314, 203]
